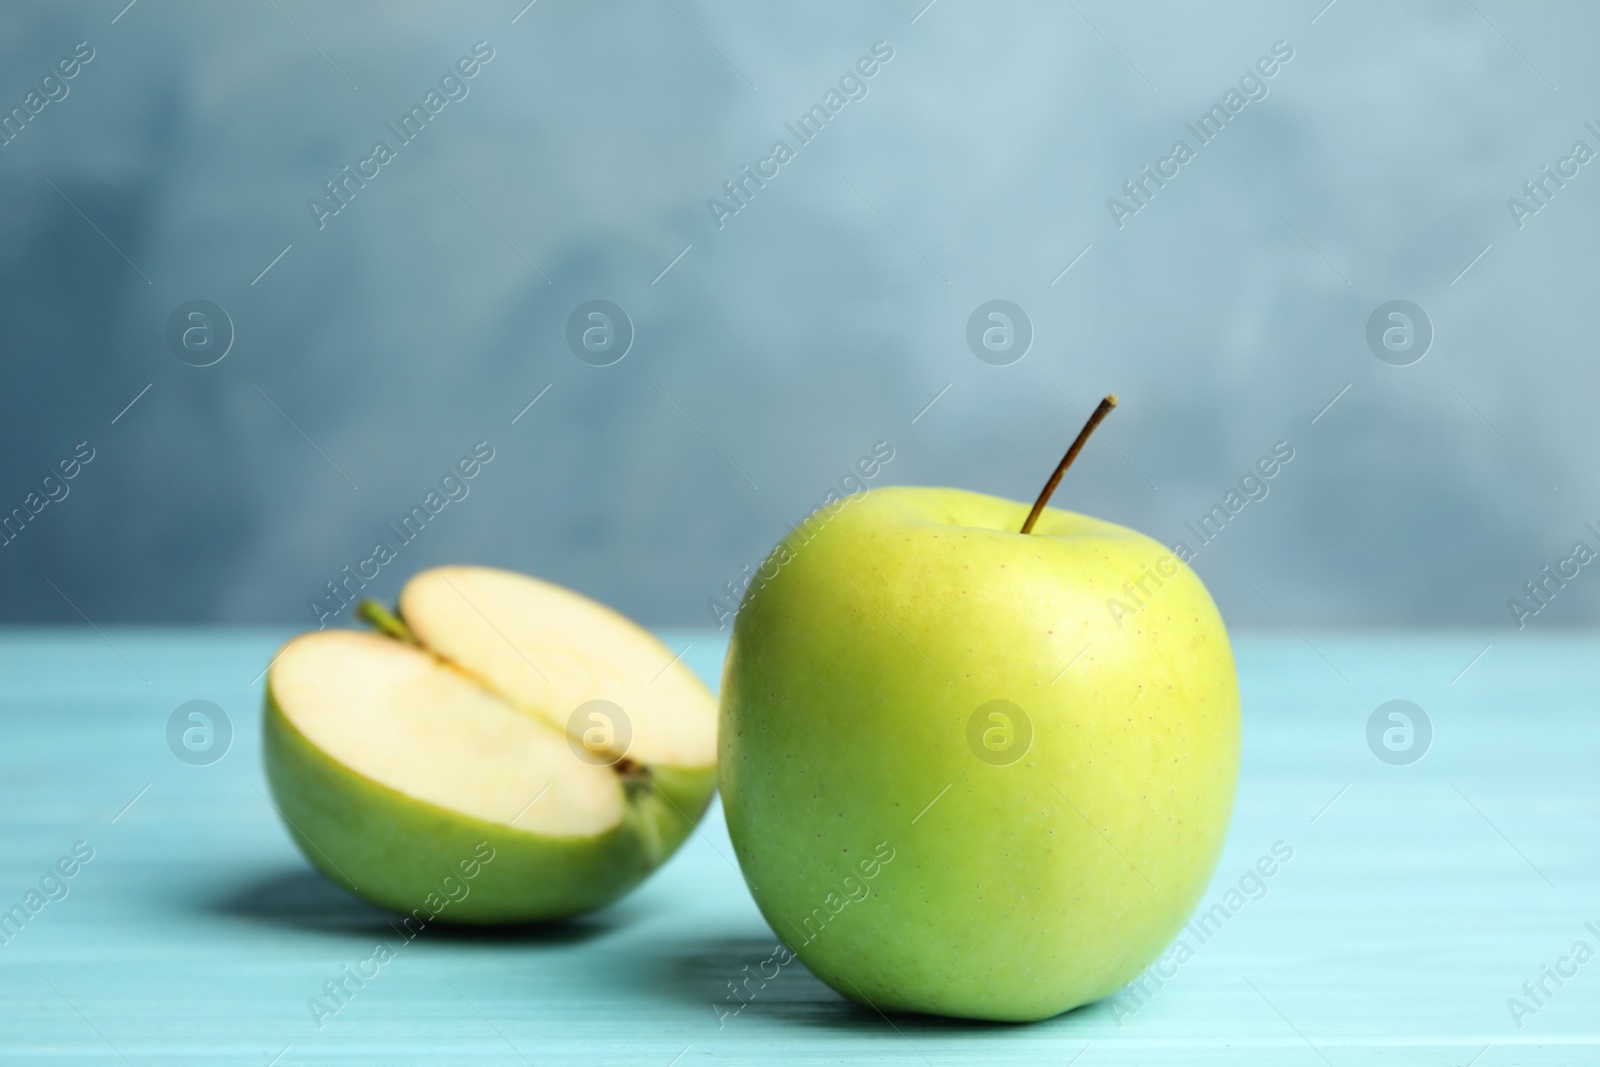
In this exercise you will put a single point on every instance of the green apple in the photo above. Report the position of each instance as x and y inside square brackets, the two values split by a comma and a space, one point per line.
[505, 751]
[974, 772]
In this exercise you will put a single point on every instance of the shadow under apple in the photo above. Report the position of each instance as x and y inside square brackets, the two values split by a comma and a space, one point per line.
[738, 981]
[303, 899]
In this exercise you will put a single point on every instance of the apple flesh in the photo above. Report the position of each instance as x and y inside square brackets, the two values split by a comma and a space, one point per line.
[1038, 860]
[395, 759]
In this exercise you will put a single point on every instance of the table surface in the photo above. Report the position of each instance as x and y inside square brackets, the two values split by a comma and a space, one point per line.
[1419, 898]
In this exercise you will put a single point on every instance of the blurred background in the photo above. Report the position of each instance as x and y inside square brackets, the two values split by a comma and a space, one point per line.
[354, 342]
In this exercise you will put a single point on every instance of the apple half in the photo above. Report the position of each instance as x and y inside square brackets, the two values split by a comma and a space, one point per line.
[498, 715]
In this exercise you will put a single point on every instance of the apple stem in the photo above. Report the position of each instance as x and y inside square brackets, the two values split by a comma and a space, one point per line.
[385, 621]
[1099, 413]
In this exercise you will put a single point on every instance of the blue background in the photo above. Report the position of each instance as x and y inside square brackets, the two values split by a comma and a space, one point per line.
[822, 318]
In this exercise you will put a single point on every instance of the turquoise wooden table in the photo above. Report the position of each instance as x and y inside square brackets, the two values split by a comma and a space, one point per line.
[1419, 905]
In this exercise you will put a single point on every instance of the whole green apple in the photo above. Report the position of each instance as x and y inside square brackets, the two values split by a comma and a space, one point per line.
[506, 750]
[970, 771]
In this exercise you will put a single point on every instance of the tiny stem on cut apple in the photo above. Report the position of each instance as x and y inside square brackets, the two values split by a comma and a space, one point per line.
[1099, 413]
[385, 621]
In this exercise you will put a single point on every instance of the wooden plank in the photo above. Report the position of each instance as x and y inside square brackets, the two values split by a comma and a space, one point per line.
[1419, 898]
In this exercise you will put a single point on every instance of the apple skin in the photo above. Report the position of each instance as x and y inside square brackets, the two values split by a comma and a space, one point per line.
[1023, 890]
[397, 850]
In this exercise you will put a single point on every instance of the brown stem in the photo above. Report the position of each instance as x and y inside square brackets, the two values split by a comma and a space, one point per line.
[1066, 461]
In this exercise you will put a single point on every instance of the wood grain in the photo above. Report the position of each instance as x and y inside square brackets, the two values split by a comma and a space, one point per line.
[1416, 903]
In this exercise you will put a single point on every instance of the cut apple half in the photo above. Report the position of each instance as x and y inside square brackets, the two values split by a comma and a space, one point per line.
[497, 715]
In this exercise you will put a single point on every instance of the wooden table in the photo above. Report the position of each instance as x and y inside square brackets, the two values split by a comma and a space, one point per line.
[1419, 898]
